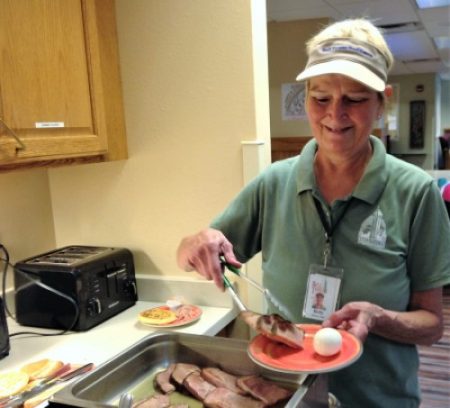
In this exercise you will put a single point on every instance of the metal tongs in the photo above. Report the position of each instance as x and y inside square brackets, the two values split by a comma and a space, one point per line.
[239, 273]
[266, 293]
[230, 287]
[234, 294]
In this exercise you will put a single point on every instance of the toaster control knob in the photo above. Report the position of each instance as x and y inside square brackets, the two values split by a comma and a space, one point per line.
[130, 287]
[94, 306]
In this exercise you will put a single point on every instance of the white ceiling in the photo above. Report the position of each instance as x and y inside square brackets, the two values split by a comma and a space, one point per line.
[420, 45]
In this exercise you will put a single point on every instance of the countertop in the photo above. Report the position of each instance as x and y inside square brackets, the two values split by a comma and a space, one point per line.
[104, 341]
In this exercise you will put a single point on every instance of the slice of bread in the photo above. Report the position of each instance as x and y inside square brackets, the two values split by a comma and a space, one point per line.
[12, 382]
[42, 369]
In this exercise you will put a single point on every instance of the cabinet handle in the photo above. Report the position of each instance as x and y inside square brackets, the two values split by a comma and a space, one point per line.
[13, 134]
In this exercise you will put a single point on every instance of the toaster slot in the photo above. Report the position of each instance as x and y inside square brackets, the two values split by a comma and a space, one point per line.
[111, 283]
[117, 278]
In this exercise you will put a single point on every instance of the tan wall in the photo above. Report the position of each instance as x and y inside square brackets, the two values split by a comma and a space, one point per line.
[421, 157]
[287, 57]
[188, 72]
[26, 223]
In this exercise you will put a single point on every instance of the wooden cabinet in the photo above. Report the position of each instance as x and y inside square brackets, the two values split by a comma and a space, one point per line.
[285, 147]
[60, 89]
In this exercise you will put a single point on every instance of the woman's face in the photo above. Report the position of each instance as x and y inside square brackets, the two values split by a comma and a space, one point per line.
[341, 113]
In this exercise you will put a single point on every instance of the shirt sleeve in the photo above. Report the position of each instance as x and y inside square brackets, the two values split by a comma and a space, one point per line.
[241, 222]
[428, 258]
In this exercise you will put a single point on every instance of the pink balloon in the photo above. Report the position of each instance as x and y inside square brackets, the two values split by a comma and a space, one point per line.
[445, 191]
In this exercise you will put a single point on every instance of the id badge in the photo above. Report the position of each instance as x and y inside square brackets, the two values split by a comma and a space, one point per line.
[322, 291]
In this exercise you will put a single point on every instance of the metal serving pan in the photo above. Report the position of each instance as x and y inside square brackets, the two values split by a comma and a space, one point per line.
[133, 370]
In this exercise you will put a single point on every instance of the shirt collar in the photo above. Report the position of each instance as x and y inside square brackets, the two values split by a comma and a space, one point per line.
[371, 184]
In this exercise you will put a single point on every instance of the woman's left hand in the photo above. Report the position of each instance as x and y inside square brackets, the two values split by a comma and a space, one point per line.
[357, 318]
[421, 323]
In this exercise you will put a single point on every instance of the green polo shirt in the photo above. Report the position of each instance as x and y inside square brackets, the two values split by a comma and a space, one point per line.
[392, 237]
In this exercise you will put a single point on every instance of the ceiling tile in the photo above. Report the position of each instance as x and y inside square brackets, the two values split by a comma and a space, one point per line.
[411, 45]
[304, 14]
[425, 67]
[277, 5]
[288, 10]
[341, 2]
[381, 11]
[444, 54]
[436, 21]
[399, 69]
[442, 42]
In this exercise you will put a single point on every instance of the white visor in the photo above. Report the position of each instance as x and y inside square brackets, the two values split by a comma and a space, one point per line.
[349, 69]
[355, 59]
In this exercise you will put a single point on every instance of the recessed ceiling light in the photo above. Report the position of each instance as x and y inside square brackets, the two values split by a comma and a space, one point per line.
[422, 4]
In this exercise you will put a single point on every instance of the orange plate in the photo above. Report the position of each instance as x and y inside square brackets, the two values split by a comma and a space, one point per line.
[186, 314]
[279, 357]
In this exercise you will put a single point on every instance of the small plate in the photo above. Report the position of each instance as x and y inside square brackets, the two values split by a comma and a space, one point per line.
[186, 314]
[279, 357]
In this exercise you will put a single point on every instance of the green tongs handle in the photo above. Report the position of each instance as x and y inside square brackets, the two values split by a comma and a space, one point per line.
[234, 294]
[238, 272]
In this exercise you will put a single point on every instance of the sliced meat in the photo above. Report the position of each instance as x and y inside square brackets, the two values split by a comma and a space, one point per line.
[162, 380]
[155, 401]
[263, 390]
[275, 327]
[220, 378]
[224, 398]
[198, 386]
[182, 370]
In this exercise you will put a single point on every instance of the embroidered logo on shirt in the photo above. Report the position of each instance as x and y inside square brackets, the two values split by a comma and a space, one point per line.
[373, 230]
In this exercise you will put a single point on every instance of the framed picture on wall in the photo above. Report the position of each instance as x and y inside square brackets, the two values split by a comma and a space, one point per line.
[293, 101]
[417, 124]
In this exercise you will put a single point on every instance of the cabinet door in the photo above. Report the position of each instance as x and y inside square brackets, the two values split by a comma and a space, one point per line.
[51, 88]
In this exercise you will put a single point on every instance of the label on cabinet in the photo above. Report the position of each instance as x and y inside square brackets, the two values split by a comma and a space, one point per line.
[40, 125]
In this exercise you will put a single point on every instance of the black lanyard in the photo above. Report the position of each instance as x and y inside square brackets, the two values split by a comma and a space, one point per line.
[329, 228]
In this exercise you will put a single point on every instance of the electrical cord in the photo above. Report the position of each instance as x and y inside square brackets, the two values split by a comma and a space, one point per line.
[36, 281]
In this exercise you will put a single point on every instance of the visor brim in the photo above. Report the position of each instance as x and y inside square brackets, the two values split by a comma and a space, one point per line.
[347, 68]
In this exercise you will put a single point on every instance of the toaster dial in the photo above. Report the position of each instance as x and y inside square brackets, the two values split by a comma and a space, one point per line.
[94, 306]
[130, 287]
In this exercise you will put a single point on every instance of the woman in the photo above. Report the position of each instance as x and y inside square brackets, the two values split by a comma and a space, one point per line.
[370, 228]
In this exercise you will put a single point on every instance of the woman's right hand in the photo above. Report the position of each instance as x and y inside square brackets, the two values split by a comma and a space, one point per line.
[202, 251]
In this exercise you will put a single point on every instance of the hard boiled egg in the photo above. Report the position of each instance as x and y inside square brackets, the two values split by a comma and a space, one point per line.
[327, 341]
